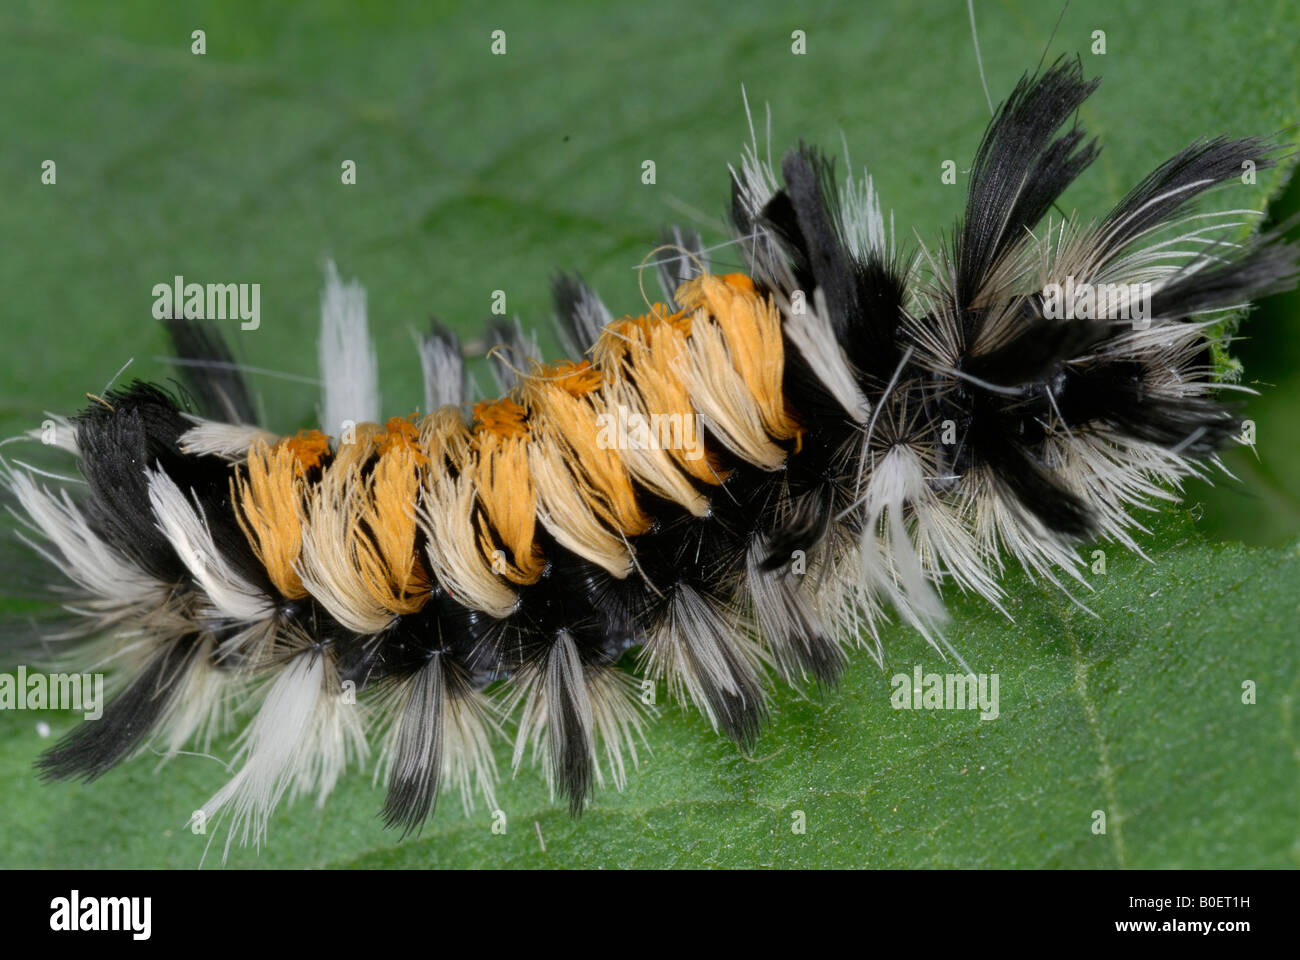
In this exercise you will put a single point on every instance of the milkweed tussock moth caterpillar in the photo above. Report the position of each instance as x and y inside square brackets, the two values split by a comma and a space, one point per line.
[877, 426]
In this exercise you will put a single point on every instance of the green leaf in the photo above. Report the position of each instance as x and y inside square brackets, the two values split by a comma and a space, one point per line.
[477, 173]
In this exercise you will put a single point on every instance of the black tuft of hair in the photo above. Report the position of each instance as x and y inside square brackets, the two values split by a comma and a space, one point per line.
[210, 372]
[1018, 173]
[92, 748]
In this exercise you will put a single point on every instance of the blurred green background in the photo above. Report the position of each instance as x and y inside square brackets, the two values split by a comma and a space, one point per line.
[478, 172]
[1264, 508]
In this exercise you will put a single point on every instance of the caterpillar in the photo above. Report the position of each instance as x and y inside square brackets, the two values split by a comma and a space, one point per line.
[740, 481]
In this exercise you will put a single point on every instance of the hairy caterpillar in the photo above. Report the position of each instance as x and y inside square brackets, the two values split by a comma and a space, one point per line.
[875, 426]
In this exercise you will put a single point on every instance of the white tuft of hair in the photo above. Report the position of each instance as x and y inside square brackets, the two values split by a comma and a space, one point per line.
[590, 317]
[860, 217]
[117, 585]
[230, 441]
[444, 372]
[181, 520]
[202, 707]
[348, 365]
[811, 332]
[299, 742]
